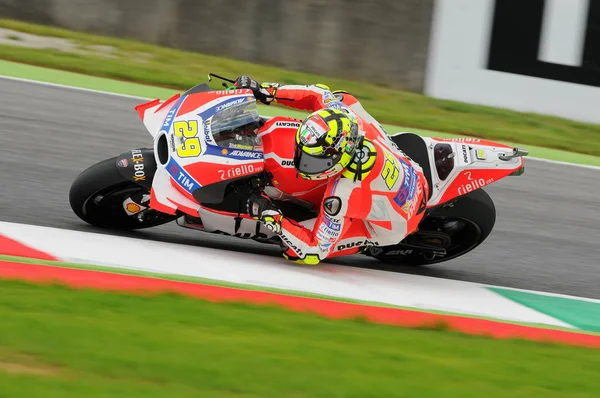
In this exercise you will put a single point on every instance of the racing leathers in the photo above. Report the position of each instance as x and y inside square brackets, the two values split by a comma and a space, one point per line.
[377, 200]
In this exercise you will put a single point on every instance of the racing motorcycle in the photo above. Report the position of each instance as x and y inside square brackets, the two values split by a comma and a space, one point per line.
[206, 159]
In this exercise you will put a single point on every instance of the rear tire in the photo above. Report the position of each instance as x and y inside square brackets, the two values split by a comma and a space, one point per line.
[464, 223]
[97, 194]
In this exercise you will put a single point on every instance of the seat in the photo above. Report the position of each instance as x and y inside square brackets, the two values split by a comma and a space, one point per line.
[415, 148]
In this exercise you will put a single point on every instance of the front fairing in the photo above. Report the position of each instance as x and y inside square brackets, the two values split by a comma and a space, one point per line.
[198, 146]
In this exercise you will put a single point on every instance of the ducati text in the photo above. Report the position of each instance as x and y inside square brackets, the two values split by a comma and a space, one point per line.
[358, 243]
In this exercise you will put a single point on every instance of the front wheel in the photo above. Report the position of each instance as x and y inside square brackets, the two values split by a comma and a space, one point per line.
[446, 232]
[97, 197]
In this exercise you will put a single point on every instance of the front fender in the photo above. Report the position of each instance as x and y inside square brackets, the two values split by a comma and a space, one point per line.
[138, 165]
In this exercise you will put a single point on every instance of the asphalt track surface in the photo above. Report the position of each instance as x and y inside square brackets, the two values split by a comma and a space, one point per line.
[547, 234]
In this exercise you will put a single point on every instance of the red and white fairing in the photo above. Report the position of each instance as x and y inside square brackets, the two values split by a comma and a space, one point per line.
[193, 159]
[177, 176]
[476, 163]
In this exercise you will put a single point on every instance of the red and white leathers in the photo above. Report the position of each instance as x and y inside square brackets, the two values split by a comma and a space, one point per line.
[378, 203]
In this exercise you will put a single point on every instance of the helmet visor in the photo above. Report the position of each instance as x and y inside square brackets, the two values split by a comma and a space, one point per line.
[310, 164]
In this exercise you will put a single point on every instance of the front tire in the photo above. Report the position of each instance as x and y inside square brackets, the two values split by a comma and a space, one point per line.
[457, 227]
[97, 195]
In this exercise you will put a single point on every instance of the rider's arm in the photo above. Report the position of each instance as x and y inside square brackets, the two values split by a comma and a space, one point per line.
[319, 96]
[341, 204]
[311, 98]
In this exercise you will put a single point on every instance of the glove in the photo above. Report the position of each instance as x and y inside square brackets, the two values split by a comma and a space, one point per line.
[260, 92]
[261, 208]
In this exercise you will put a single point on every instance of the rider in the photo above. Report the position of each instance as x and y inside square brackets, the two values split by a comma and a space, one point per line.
[375, 194]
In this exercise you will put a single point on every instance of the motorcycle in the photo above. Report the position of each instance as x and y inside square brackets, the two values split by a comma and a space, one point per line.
[206, 159]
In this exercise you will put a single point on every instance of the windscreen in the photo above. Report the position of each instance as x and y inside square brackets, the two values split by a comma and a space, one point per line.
[236, 126]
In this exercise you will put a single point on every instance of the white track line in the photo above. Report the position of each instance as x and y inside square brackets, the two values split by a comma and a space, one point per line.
[558, 162]
[89, 90]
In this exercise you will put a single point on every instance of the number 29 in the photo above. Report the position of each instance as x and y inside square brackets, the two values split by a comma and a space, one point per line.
[188, 130]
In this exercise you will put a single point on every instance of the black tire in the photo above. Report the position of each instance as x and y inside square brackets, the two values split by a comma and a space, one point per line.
[474, 217]
[97, 194]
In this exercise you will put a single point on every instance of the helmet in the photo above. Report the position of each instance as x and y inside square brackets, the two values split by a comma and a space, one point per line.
[325, 144]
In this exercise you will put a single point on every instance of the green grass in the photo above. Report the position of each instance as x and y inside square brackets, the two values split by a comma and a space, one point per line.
[134, 61]
[58, 342]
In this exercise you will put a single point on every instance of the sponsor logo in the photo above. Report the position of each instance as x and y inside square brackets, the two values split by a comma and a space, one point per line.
[473, 185]
[174, 169]
[186, 182]
[173, 147]
[471, 140]
[122, 163]
[338, 106]
[287, 163]
[238, 171]
[245, 154]
[407, 190]
[403, 252]
[358, 243]
[138, 165]
[229, 104]
[308, 135]
[169, 117]
[287, 124]
[291, 245]
[466, 158]
[325, 246]
[329, 230]
[241, 146]
[332, 224]
[224, 151]
[132, 208]
[231, 92]
[166, 126]
[182, 177]
[207, 135]
[313, 130]
[324, 239]
[332, 205]
[411, 207]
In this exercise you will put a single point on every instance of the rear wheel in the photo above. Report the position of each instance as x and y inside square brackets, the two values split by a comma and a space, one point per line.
[97, 197]
[448, 231]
